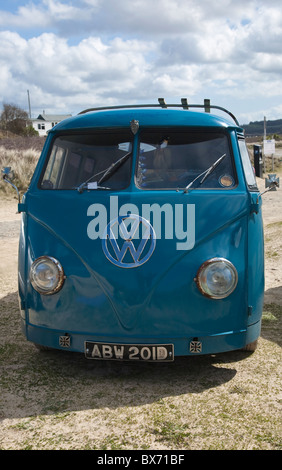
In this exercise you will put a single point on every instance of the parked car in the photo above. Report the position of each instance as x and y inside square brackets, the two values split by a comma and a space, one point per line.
[142, 236]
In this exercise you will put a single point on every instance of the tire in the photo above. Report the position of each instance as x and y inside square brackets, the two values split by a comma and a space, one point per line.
[251, 346]
[40, 347]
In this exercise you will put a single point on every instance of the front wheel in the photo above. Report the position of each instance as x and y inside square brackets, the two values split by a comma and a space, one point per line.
[40, 347]
[251, 346]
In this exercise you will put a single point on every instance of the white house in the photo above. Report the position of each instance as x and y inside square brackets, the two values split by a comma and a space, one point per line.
[44, 122]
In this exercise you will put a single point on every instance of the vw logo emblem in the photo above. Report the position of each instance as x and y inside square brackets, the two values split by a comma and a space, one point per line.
[129, 241]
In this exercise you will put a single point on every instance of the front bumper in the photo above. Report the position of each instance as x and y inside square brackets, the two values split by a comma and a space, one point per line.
[182, 346]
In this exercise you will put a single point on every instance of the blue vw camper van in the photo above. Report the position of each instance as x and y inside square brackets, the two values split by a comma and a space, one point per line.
[142, 236]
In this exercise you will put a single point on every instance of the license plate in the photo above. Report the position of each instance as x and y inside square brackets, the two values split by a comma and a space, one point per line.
[129, 352]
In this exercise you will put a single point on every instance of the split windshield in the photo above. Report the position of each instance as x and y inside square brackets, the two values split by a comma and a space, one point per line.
[81, 162]
[166, 159]
[176, 159]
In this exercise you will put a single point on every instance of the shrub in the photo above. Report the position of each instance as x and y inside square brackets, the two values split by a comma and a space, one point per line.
[21, 154]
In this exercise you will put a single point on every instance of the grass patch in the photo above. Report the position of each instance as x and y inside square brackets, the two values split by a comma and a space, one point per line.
[21, 154]
[272, 313]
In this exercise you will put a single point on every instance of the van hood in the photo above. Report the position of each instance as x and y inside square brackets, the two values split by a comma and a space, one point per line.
[124, 283]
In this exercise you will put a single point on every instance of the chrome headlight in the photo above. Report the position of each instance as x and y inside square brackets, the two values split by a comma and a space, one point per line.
[46, 275]
[217, 278]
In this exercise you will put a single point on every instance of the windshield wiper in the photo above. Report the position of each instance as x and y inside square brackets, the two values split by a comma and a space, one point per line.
[206, 173]
[113, 168]
[108, 172]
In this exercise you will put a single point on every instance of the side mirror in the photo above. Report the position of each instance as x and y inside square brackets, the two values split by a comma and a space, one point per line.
[8, 175]
[272, 183]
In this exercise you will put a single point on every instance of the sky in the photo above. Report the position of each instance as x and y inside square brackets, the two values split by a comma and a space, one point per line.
[72, 55]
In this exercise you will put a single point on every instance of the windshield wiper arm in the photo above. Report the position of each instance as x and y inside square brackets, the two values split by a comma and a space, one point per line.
[212, 168]
[113, 168]
[206, 173]
[107, 173]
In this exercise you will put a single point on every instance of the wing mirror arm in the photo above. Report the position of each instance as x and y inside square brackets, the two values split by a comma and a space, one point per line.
[8, 174]
[271, 183]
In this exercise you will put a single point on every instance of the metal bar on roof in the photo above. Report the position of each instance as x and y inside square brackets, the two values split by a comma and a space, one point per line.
[162, 102]
[207, 106]
[184, 103]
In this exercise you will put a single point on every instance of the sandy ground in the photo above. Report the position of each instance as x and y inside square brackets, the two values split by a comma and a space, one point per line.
[272, 217]
[65, 402]
[9, 230]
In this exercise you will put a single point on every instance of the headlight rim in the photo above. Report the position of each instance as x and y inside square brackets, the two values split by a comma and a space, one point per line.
[61, 275]
[209, 262]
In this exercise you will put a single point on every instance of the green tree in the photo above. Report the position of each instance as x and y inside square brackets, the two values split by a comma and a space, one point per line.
[29, 131]
[13, 119]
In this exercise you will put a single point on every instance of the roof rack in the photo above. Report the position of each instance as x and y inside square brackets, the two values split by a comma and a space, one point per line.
[184, 104]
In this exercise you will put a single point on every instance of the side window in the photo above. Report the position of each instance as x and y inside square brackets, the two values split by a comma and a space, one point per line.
[247, 166]
[53, 169]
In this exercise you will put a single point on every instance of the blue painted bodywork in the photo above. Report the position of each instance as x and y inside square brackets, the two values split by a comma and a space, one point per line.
[158, 302]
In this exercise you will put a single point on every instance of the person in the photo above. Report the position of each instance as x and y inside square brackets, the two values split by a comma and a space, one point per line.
[162, 159]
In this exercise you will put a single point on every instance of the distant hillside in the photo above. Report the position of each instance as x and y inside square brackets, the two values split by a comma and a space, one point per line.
[257, 127]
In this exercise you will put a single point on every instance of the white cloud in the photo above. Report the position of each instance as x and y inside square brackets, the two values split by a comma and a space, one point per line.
[42, 14]
[72, 55]
[141, 17]
[48, 66]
